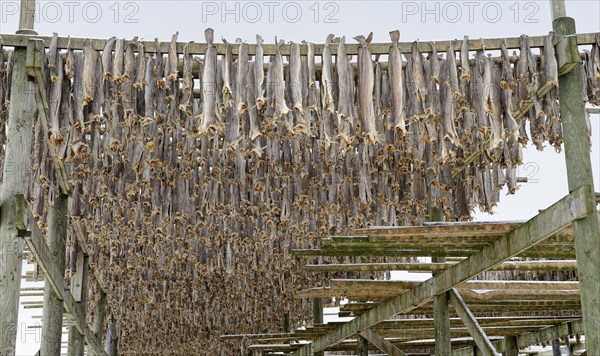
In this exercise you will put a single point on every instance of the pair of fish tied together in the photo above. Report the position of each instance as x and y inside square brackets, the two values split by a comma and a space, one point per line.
[195, 175]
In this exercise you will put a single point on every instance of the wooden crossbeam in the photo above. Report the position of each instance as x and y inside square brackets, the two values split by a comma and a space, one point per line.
[476, 331]
[269, 49]
[548, 222]
[381, 343]
[550, 265]
[35, 240]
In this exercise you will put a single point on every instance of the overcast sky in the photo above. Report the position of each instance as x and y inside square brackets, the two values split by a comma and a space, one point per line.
[313, 21]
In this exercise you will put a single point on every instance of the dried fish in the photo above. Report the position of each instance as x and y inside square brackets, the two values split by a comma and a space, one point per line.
[365, 89]
[507, 85]
[326, 77]
[345, 107]
[396, 83]
[172, 72]
[209, 85]
[450, 98]
[259, 74]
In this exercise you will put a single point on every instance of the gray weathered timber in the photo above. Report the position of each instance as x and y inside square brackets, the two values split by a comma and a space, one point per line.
[43, 256]
[99, 316]
[555, 218]
[27, 18]
[441, 309]
[579, 173]
[16, 179]
[111, 339]
[76, 345]
[381, 343]
[77, 338]
[269, 49]
[476, 331]
[362, 346]
[510, 346]
[560, 265]
[53, 306]
[317, 311]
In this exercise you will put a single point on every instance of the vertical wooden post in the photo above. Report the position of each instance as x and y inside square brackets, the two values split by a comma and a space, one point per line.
[510, 346]
[99, 316]
[111, 339]
[556, 347]
[16, 180]
[443, 343]
[362, 347]
[53, 307]
[27, 18]
[579, 173]
[76, 345]
[317, 311]
[286, 323]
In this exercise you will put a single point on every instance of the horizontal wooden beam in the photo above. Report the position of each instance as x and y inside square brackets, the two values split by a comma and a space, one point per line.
[546, 334]
[546, 265]
[10, 40]
[548, 222]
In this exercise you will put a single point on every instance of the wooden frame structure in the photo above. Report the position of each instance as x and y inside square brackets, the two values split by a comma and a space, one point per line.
[566, 232]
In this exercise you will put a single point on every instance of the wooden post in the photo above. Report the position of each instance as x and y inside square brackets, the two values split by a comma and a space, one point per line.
[317, 311]
[362, 347]
[16, 180]
[53, 306]
[556, 347]
[27, 18]
[111, 339]
[510, 346]
[579, 173]
[99, 315]
[76, 340]
[443, 343]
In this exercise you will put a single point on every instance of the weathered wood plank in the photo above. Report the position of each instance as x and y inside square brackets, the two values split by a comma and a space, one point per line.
[53, 306]
[564, 265]
[579, 174]
[381, 343]
[476, 331]
[269, 49]
[545, 224]
[15, 173]
[54, 277]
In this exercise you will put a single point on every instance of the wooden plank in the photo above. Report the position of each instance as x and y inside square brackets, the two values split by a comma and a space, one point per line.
[510, 346]
[443, 229]
[53, 305]
[53, 276]
[77, 279]
[545, 224]
[362, 346]
[40, 251]
[15, 168]
[381, 343]
[199, 48]
[476, 331]
[551, 265]
[579, 174]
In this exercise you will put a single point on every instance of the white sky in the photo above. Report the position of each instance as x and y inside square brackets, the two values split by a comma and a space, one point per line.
[313, 21]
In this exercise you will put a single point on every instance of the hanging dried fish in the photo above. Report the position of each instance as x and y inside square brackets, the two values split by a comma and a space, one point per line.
[491, 96]
[259, 74]
[295, 84]
[278, 86]
[365, 89]
[209, 85]
[52, 57]
[172, 72]
[345, 107]
[226, 63]
[465, 67]
[242, 71]
[449, 99]
[326, 77]
[511, 127]
[313, 94]
[396, 83]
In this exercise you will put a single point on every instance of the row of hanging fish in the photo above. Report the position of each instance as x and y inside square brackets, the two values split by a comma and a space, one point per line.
[196, 175]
